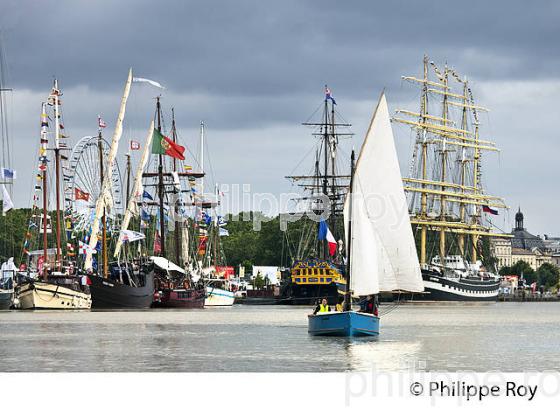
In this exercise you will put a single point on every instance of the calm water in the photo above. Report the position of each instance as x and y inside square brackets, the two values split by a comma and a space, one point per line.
[469, 337]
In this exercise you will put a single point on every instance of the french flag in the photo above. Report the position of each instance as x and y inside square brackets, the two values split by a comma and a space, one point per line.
[325, 233]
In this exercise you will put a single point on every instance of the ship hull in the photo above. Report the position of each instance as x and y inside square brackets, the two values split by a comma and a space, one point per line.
[181, 298]
[41, 295]
[218, 297]
[347, 324]
[6, 298]
[110, 294]
[294, 294]
[441, 288]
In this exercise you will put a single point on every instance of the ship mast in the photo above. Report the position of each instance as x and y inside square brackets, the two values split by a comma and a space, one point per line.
[44, 188]
[177, 236]
[55, 93]
[104, 214]
[454, 192]
[160, 185]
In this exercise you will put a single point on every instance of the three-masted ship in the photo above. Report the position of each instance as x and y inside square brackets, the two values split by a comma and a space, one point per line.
[449, 206]
[317, 268]
[50, 280]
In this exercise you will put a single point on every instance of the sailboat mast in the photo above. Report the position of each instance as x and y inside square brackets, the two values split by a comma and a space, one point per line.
[461, 238]
[160, 187]
[104, 215]
[177, 236]
[332, 146]
[443, 173]
[56, 93]
[348, 294]
[128, 176]
[45, 201]
[424, 197]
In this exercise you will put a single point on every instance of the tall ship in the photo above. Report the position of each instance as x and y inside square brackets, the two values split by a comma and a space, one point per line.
[314, 243]
[451, 210]
[49, 279]
[116, 281]
[176, 285]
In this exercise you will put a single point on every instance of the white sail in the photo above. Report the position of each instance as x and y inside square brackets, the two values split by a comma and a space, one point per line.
[105, 197]
[132, 208]
[383, 251]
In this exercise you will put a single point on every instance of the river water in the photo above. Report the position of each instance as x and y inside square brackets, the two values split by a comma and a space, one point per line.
[432, 337]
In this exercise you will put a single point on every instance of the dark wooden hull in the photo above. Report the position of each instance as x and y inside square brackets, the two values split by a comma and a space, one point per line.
[181, 298]
[110, 294]
[293, 294]
[5, 299]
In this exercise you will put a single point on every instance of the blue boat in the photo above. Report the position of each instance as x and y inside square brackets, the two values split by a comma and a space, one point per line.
[380, 250]
[343, 324]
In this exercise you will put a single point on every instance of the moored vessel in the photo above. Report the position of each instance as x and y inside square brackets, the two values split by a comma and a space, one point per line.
[450, 209]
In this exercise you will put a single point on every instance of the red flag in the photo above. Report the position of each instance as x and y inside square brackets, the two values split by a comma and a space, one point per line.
[80, 195]
[100, 122]
[157, 243]
[134, 145]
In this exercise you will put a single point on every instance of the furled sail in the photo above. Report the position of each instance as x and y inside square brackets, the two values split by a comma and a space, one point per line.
[132, 208]
[383, 251]
[105, 196]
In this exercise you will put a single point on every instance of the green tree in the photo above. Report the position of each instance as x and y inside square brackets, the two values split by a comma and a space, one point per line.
[548, 275]
[258, 282]
[521, 269]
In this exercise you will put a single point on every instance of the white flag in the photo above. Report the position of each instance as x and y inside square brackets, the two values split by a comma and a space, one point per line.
[131, 236]
[145, 80]
[7, 203]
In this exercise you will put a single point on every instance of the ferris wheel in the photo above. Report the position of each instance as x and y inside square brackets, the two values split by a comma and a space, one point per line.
[83, 184]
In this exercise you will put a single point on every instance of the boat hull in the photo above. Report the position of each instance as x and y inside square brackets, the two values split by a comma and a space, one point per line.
[110, 294]
[218, 297]
[6, 298]
[42, 295]
[441, 288]
[294, 294]
[181, 298]
[343, 324]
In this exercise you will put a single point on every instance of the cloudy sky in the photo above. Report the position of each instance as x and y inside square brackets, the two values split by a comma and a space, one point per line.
[254, 70]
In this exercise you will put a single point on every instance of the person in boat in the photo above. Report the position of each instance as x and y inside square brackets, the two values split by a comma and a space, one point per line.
[339, 305]
[369, 305]
[323, 307]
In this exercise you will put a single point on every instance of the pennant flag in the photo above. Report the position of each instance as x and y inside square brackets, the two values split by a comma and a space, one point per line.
[144, 215]
[134, 145]
[85, 248]
[489, 210]
[80, 195]
[146, 195]
[157, 243]
[187, 167]
[7, 203]
[100, 122]
[8, 173]
[145, 80]
[328, 95]
[325, 233]
[165, 146]
[131, 236]
[224, 232]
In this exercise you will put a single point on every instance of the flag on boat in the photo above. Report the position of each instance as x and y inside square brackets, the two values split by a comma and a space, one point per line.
[144, 215]
[165, 146]
[489, 210]
[80, 195]
[134, 145]
[157, 243]
[8, 173]
[100, 122]
[7, 203]
[85, 248]
[325, 233]
[187, 167]
[224, 232]
[328, 95]
[131, 236]
[146, 195]
[148, 81]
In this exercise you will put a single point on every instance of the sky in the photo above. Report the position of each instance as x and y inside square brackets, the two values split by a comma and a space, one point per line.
[253, 71]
